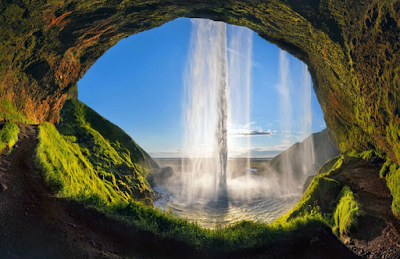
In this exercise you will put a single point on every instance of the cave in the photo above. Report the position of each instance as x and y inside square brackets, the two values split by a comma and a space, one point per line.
[351, 49]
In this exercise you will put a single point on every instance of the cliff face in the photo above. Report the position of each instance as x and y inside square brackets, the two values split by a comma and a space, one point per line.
[351, 48]
[300, 162]
[87, 157]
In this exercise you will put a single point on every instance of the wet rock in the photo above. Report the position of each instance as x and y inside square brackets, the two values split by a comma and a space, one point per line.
[161, 176]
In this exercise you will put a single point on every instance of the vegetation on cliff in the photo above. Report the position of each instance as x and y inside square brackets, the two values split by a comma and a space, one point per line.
[346, 212]
[326, 197]
[10, 112]
[78, 161]
[391, 172]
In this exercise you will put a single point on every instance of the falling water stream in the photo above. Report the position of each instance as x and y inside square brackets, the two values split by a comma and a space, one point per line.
[213, 188]
[205, 113]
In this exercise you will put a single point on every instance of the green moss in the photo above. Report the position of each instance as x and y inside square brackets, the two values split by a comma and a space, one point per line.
[365, 154]
[385, 168]
[77, 120]
[9, 112]
[8, 136]
[318, 197]
[78, 162]
[329, 165]
[346, 213]
[326, 199]
[66, 171]
[242, 235]
[393, 182]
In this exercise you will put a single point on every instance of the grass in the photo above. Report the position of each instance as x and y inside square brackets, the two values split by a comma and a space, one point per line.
[66, 171]
[8, 136]
[391, 172]
[9, 112]
[365, 154]
[346, 213]
[77, 119]
[78, 162]
[327, 200]
[239, 236]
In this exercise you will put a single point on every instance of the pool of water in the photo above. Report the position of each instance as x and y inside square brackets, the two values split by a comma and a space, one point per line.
[228, 209]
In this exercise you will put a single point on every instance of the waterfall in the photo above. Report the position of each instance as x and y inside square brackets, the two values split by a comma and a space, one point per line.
[205, 112]
[217, 93]
[286, 171]
[240, 48]
[308, 152]
[292, 178]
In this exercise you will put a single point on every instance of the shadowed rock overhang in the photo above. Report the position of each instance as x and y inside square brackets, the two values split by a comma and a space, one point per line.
[351, 48]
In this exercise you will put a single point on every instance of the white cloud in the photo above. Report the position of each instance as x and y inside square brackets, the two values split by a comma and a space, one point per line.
[251, 133]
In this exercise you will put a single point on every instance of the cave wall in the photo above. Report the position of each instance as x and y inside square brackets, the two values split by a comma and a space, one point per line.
[351, 48]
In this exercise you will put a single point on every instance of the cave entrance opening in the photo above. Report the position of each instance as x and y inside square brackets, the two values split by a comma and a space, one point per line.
[140, 86]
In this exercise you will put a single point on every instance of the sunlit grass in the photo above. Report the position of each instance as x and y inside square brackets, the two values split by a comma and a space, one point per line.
[9, 112]
[8, 136]
[391, 172]
[66, 170]
[78, 162]
[346, 213]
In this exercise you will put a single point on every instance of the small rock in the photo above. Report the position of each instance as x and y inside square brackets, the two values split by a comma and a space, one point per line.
[72, 225]
[3, 187]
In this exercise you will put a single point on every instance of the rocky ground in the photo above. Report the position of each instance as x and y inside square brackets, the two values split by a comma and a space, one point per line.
[377, 234]
[35, 224]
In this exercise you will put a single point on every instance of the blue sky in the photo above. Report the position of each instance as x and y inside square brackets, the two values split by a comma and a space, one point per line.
[138, 85]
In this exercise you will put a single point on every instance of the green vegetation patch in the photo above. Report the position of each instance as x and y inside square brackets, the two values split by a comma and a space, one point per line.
[8, 135]
[327, 200]
[239, 236]
[9, 112]
[66, 171]
[346, 213]
[79, 162]
[365, 154]
[391, 171]
[77, 119]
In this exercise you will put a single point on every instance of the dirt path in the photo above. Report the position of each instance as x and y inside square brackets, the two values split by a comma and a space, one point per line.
[377, 235]
[27, 216]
